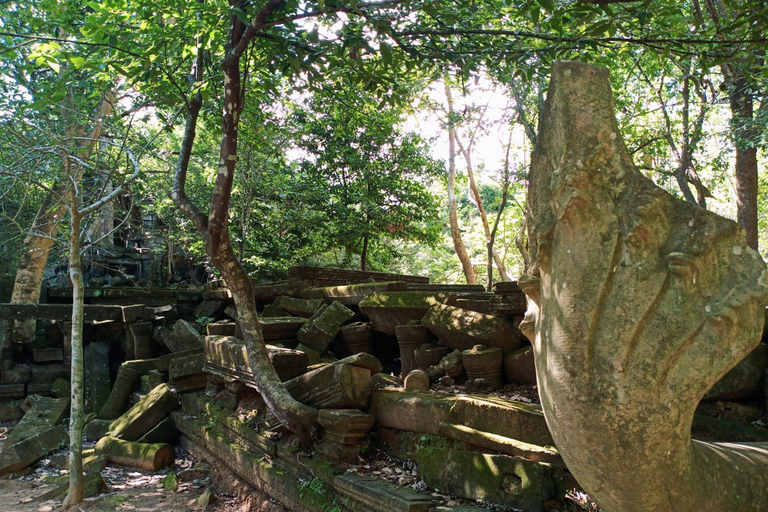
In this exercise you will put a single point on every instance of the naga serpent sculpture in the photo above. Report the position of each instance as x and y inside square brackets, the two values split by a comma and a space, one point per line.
[638, 303]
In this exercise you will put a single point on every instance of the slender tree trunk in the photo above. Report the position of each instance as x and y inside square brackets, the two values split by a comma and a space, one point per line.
[502, 269]
[76, 416]
[744, 135]
[295, 416]
[502, 206]
[469, 272]
[364, 252]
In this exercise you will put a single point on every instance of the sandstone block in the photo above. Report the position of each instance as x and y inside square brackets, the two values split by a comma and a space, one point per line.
[98, 381]
[519, 367]
[226, 356]
[499, 479]
[42, 414]
[145, 415]
[47, 355]
[462, 329]
[323, 326]
[387, 310]
[299, 307]
[210, 308]
[15, 375]
[183, 337]
[21, 454]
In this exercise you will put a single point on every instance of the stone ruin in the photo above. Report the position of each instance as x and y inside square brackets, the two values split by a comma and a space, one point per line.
[433, 377]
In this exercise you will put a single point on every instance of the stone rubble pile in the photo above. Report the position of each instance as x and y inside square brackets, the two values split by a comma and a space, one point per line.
[379, 359]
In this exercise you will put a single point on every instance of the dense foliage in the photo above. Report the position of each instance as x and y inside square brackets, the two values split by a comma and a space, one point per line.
[327, 174]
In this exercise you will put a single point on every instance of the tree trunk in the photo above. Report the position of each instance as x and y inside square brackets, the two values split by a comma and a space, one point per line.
[469, 271]
[297, 417]
[364, 252]
[37, 246]
[744, 136]
[76, 417]
[502, 269]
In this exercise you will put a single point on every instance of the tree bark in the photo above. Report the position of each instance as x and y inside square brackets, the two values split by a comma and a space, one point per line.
[500, 267]
[76, 416]
[745, 172]
[37, 246]
[735, 75]
[461, 251]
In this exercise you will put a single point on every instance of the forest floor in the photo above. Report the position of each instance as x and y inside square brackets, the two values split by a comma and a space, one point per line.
[134, 490]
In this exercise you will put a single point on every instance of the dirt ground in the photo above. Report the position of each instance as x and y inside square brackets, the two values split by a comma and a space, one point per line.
[136, 490]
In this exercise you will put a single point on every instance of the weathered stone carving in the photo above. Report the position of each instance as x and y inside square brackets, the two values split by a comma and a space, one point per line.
[638, 304]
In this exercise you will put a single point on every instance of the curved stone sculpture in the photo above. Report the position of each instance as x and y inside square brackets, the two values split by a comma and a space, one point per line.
[638, 304]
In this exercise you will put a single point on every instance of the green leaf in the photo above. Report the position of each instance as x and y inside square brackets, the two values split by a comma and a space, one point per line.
[241, 15]
[549, 5]
[78, 62]
[54, 65]
[295, 63]
[386, 53]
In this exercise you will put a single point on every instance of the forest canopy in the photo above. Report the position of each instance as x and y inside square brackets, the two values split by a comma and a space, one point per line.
[342, 155]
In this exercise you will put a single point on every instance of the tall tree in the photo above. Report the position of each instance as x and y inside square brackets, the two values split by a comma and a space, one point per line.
[458, 243]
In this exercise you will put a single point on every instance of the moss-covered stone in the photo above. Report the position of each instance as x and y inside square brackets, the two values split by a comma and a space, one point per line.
[463, 329]
[148, 412]
[150, 456]
[42, 414]
[499, 479]
[320, 330]
[387, 310]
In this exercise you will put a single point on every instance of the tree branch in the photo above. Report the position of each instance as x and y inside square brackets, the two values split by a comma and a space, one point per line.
[178, 192]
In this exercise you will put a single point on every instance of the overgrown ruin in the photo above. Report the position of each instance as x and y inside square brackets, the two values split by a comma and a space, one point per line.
[633, 317]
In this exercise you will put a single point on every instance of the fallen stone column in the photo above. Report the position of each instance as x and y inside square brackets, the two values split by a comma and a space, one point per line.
[145, 415]
[149, 456]
[121, 391]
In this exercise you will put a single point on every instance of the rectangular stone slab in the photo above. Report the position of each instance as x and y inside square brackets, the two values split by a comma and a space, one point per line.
[98, 381]
[505, 418]
[382, 496]
[18, 456]
[280, 327]
[186, 366]
[43, 414]
[351, 294]
[226, 356]
[183, 337]
[387, 310]
[320, 330]
[164, 361]
[411, 411]
[299, 307]
[145, 415]
[322, 276]
[63, 312]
